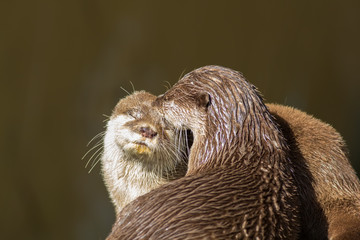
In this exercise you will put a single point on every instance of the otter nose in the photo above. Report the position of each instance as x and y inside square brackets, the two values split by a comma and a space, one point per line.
[147, 132]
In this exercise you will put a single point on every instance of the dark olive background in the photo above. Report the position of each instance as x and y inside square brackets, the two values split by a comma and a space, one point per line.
[62, 65]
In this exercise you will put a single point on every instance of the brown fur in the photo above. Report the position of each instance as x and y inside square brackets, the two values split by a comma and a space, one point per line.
[329, 187]
[240, 182]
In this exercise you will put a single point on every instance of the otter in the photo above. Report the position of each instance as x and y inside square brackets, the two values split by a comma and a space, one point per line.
[140, 151]
[331, 206]
[240, 181]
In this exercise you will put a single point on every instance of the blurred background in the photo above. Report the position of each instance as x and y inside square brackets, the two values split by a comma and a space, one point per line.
[63, 63]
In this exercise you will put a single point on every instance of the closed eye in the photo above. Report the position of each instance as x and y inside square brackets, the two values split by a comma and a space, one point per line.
[134, 113]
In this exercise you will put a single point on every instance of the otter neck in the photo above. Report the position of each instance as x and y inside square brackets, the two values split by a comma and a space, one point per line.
[254, 141]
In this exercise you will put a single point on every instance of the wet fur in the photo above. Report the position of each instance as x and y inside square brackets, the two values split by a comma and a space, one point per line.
[240, 182]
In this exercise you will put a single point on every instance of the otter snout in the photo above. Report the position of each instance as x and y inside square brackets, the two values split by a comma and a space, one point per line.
[147, 132]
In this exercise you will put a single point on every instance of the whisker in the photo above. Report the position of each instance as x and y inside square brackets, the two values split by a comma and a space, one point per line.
[132, 85]
[128, 93]
[107, 117]
[168, 86]
[99, 143]
[97, 161]
[178, 151]
[187, 143]
[179, 142]
[167, 153]
[182, 74]
[100, 134]
[185, 149]
[97, 151]
[97, 158]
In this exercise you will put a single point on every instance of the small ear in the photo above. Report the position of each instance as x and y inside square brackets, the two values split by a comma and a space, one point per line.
[204, 100]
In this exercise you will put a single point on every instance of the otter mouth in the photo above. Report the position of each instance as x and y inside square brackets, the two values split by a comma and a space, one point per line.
[141, 148]
[140, 143]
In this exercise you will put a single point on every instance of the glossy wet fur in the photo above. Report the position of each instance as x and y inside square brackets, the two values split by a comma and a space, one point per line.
[240, 182]
[218, 102]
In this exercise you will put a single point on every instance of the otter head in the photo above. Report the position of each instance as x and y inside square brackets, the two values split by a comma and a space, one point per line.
[225, 113]
[140, 151]
[131, 130]
[136, 132]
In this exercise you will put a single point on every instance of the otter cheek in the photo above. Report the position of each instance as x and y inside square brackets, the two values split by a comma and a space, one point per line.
[178, 116]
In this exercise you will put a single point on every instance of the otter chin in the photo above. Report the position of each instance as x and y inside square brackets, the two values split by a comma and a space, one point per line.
[140, 151]
[240, 182]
